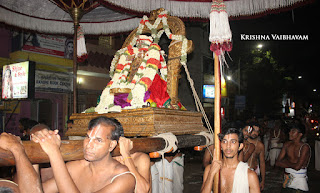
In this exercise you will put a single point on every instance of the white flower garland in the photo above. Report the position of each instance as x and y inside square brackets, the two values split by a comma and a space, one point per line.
[137, 86]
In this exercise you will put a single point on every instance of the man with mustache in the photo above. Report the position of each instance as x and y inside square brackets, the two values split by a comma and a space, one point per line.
[98, 171]
[235, 176]
[248, 148]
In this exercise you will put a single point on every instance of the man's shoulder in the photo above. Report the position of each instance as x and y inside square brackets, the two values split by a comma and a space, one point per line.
[76, 164]
[305, 146]
[251, 175]
[287, 144]
[139, 156]
[260, 146]
[119, 168]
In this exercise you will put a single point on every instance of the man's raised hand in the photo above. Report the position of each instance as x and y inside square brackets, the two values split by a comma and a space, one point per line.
[10, 142]
[49, 140]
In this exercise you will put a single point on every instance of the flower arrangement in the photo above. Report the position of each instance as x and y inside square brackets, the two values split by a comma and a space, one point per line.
[153, 61]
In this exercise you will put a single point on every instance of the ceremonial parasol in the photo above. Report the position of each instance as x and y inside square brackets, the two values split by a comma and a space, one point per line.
[99, 17]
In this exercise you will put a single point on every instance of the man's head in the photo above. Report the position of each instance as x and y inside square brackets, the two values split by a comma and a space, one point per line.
[255, 130]
[7, 186]
[246, 131]
[102, 138]
[69, 124]
[231, 142]
[38, 127]
[297, 130]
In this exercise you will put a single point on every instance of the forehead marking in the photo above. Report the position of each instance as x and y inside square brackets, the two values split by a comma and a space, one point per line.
[95, 133]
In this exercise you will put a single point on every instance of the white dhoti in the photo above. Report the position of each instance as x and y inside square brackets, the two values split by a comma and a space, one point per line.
[178, 169]
[296, 179]
[240, 179]
[162, 177]
[155, 178]
[275, 150]
[172, 178]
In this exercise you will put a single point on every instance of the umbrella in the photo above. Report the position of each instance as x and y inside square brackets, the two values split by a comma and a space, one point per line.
[98, 17]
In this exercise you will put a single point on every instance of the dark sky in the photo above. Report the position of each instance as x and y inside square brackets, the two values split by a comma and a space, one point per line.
[300, 56]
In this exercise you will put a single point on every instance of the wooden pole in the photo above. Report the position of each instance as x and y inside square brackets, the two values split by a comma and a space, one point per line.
[73, 149]
[217, 120]
[75, 68]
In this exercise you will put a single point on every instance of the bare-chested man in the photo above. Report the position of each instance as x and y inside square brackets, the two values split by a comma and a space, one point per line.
[295, 157]
[235, 176]
[98, 171]
[257, 162]
[138, 163]
[248, 148]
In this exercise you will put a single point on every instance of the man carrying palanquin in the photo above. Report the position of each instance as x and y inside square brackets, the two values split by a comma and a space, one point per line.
[98, 171]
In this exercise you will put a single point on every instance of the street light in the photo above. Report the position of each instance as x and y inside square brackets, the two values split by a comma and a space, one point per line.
[229, 77]
[299, 77]
[314, 90]
[259, 46]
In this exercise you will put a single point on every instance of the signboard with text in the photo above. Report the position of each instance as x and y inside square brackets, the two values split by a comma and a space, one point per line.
[53, 81]
[57, 46]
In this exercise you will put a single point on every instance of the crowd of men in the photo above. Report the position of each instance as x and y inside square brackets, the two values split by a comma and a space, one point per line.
[242, 167]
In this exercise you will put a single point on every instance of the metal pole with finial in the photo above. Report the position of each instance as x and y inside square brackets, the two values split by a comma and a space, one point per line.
[220, 38]
[76, 14]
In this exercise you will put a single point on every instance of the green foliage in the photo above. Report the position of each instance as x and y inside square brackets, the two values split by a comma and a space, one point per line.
[262, 82]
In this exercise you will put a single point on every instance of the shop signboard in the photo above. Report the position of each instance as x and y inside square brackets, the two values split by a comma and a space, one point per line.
[53, 82]
[57, 46]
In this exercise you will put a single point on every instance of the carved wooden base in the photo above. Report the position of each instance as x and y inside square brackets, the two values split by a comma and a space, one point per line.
[145, 122]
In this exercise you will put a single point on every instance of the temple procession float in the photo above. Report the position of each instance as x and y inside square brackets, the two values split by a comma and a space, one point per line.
[143, 91]
[142, 94]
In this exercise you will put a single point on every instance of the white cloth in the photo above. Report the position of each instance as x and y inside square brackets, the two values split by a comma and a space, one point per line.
[273, 155]
[275, 150]
[296, 179]
[173, 176]
[155, 179]
[317, 155]
[178, 169]
[240, 179]
[274, 143]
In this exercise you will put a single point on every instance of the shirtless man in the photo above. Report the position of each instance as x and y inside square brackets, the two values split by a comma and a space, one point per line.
[138, 163]
[98, 171]
[235, 176]
[294, 157]
[257, 162]
[26, 183]
[248, 148]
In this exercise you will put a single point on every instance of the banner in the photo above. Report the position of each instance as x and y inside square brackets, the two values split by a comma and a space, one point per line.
[15, 80]
[58, 46]
[53, 82]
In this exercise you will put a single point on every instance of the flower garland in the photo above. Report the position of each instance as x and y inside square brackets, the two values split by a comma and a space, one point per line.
[151, 63]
